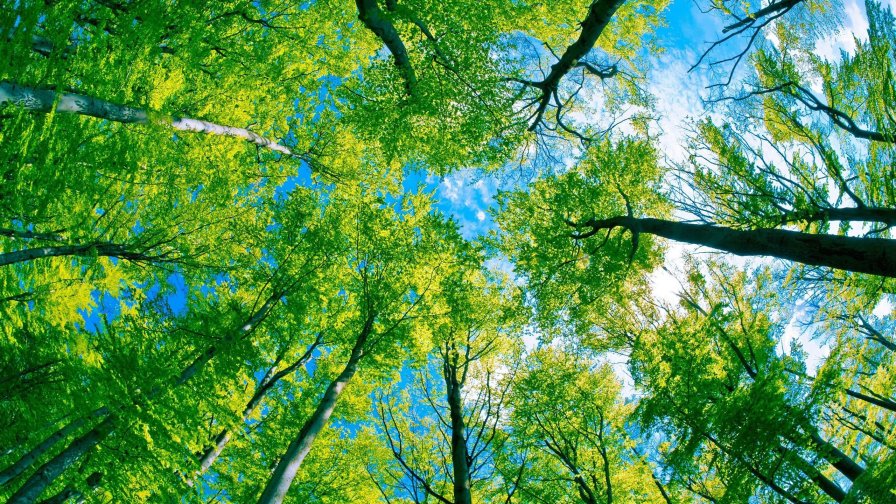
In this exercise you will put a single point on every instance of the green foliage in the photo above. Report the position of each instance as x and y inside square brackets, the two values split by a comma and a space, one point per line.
[204, 294]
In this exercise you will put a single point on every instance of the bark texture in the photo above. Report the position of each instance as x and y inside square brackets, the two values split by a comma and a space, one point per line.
[599, 15]
[29, 458]
[264, 386]
[285, 472]
[43, 100]
[120, 251]
[875, 256]
[847, 466]
[459, 460]
[376, 21]
[47, 473]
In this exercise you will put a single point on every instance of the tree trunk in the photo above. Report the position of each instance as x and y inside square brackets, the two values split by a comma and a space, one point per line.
[241, 331]
[847, 466]
[25, 461]
[459, 462]
[825, 484]
[285, 471]
[43, 100]
[866, 214]
[830, 488]
[71, 492]
[599, 15]
[662, 490]
[875, 256]
[264, 386]
[877, 401]
[47, 473]
[373, 18]
[44, 477]
[91, 249]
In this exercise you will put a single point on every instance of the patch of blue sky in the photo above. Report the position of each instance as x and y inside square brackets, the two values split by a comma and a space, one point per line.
[105, 306]
[194, 193]
[346, 428]
[176, 300]
[469, 196]
[302, 178]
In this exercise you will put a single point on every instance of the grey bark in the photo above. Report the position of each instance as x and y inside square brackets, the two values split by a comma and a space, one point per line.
[843, 463]
[47, 473]
[26, 460]
[264, 386]
[376, 21]
[120, 251]
[70, 492]
[599, 15]
[459, 461]
[877, 401]
[285, 471]
[44, 100]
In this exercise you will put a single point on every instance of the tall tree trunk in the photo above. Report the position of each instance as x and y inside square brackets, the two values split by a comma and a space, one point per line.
[877, 401]
[43, 100]
[47, 473]
[285, 471]
[843, 463]
[251, 323]
[25, 461]
[376, 21]
[825, 484]
[876, 256]
[602, 449]
[264, 386]
[662, 490]
[71, 492]
[600, 12]
[40, 480]
[459, 462]
[120, 251]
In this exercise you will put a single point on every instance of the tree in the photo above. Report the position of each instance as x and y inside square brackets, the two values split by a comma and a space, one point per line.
[229, 270]
[763, 427]
[443, 439]
[393, 273]
[577, 219]
[573, 421]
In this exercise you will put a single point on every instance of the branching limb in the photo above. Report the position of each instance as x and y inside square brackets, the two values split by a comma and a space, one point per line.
[599, 15]
[752, 24]
[376, 21]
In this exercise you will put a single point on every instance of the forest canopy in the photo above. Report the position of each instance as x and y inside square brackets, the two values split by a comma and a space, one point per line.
[408, 251]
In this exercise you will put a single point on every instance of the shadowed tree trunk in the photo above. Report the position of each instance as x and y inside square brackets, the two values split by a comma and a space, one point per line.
[875, 256]
[26, 460]
[120, 251]
[47, 473]
[459, 458]
[847, 466]
[823, 483]
[264, 386]
[70, 492]
[877, 401]
[376, 21]
[44, 477]
[599, 15]
[289, 464]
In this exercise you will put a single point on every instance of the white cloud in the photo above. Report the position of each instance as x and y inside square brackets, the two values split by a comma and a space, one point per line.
[678, 94]
[855, 26]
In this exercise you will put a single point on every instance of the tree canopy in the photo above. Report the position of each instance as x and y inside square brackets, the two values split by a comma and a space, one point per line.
[408, 251]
